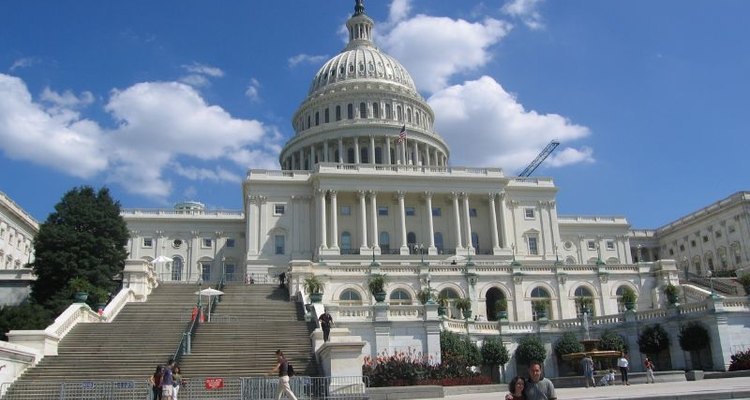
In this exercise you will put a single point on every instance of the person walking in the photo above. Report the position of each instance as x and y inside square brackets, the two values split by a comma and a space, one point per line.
[177, 378]
[155, 381]
[282, 367]
[538, 388]
[167, 382]
[587, 364]
[326, 321]
[623, 363]
[649, 365]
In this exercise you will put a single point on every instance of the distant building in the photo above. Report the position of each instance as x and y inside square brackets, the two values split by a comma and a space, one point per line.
[17, 231]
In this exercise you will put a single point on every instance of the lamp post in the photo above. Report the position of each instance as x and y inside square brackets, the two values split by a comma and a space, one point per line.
[420, 248]
[685, 266]
[710, 275]
[200, 286]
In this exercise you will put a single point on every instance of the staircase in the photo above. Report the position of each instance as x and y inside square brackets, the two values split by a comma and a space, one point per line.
[129, 348]
[246, 328]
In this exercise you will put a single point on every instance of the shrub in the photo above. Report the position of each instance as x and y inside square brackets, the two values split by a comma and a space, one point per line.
[459, 352]
[494, 352]
[610, 340]
[567, 344]
[653, 340]
[740, 361]
[530, 348]
[693, 337]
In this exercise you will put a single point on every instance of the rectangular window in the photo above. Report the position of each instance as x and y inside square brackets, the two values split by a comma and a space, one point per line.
[230, 242]
[671, 252]
[610, 245]
[692, 243]
[279, 244]
[682, 247]
[529, 213]
[383, 211]
[533, 249]
[472, 212]
[346, 210]
[718, 234]
[705, 238]
[437, 211]
[411, 211]
[591, 245]
[207, 242]
[279, 209]
[148, 242]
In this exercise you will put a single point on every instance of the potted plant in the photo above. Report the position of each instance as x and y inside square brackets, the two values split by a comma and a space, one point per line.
[673, 294]
[314, 287]
[541, 307]
[464, 304]
[376, 284]
[425, 295]
[584, 304]
[501, 307]
[628, 298]
[442, 301]
[81, 288]
[744, 280]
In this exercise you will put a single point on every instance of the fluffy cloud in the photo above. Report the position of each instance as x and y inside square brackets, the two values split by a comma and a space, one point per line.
[159, 127]
[253, 90]
[486, 126]
[434, 49]
[305, 59]
[526, 11]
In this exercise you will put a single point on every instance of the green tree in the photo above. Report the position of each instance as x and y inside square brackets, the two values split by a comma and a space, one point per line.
[610, 340]
[530, 348]
[24, 316]
[653, 340]
[84, 237]
[567, 344]
[694, 338]
[459, 353]
[494, 353]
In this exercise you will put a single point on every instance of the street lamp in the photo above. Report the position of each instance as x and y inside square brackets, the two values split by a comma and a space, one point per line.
[710, 275]
[420, 248]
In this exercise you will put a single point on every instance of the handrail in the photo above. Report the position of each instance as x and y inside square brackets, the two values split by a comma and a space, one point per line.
[717, 283]
[184, 345]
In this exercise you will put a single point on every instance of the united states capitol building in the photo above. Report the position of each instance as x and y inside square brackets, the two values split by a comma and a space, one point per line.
[366, 187]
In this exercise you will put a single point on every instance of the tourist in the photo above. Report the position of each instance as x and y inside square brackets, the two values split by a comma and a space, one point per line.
[587, 364]
[155, 382]
[167, 382]
[178, 380]
[608, 378]
[326, 321]
[515, 389]
[538, 388]
[649, 365]
[623, 363]
[281, 367]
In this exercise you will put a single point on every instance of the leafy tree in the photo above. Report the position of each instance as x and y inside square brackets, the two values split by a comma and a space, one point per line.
[567, 344]
[694, 338]
[530, 348]
[84, 237]
[653, 340]
[24, 316]
[610, 340]
[494, 353]
[459, 352]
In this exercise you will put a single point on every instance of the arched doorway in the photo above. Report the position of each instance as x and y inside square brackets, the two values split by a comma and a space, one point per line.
[493, 295]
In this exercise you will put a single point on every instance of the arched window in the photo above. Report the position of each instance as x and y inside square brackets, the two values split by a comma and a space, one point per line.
[449, 296]
[399, 114]
[338, 113]
[620, 303]
[375, 110]
[350, 156]
[364, 155]
[400, 297]
[439, 242]
[317, 118]
[362, 110]
[411, 241]
[327, 116]
[408, 115]
[346, 243]
[583, 292]
[492, 296]
[308, 122]
[350, 297]
[539, 295]
[350, 111]
[378, 155]
[176, 268]
[388, 111]
[385, 242]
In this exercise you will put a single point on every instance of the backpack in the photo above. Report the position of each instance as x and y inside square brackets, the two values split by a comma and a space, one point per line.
[289, 369]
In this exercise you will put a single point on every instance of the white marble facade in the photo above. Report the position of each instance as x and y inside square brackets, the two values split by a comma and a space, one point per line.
[17, 231]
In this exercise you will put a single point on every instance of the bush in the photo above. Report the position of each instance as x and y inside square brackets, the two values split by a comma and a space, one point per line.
[609, 340]
[24, 316]
[740, 361]
[530, 348]
[653, 340]
[459, 353]
[567, 344]
[494, 352]
[693, 337]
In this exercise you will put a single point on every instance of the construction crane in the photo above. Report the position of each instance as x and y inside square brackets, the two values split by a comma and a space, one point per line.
[539, 159]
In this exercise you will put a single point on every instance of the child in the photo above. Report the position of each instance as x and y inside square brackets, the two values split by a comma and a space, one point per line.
[608, 378]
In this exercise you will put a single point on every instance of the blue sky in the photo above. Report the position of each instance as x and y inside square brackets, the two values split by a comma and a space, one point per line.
[174, 100]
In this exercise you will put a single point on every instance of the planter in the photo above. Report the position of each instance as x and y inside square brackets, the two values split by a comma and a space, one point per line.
[541, 314]
[441, 310]
[81, 297]
[630, 306]
[502, 315]
[379, 297]
[316, 297]
[466, 313]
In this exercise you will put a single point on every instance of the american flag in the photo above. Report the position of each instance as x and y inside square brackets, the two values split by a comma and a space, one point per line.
[402, 134]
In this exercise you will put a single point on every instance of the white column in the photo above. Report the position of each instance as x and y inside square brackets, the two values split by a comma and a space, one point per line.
[372, 149]
[251, 219]
[430, 225]
[301, 156]
[362, 220]
[427, 155]
[341, 151]
[467, 223]
[416, 153]
[325, 151]
[506, 222]
[312, 157]
[334, 221]
[322, 219]
[374, 219]
[402, 213]
[388, 160]
[493, 224]
[356, 150]
[457, 221]
[402, 150]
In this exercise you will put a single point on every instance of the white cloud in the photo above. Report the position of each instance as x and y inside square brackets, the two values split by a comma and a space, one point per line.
[195, 80]
[253, 90]
[160, 125]
[23, 63]
[569, 156]
[306, 59]
[57, 138]
[433, 49]
[202, 69]
[486, 126]
[526, 11]
[399, 10]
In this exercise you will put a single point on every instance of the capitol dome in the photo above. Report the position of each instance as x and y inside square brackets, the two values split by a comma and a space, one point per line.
[363, 108]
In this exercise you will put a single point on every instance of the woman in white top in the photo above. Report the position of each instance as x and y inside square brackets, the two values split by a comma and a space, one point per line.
[623, 363]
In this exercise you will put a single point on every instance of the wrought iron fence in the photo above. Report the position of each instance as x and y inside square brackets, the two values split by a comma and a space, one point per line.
[205, 388]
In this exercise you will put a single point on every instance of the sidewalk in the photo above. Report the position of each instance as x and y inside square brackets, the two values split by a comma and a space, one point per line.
[714, 389]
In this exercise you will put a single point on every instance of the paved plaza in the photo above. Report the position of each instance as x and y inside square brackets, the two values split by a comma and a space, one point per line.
[714, 389]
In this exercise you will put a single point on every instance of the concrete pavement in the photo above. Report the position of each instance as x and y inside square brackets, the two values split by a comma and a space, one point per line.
[713, 389]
